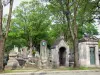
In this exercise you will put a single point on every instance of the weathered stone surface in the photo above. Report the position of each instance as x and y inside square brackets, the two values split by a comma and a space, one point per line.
[84, 52]
[16, 49]
[24, 52]
[59, 53]
[12, 62]
[43, 54]
[30, 65]
[37, 60]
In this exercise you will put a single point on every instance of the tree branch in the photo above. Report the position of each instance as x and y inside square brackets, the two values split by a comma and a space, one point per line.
[68, 19]
[9, 18]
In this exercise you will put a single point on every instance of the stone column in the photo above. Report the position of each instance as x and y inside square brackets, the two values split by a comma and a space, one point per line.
[67, 56]
[97, 55]
[87, 54]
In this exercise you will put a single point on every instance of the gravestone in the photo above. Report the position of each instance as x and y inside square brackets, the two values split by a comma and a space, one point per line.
[88, 52]
[24, 52]
[37, 60]
[43, 53]
[12, 62]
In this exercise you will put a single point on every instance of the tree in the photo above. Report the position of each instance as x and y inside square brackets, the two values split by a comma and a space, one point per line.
[4, 36]
[29, 26]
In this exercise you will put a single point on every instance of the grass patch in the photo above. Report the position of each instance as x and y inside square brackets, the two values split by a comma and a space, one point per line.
[7, 71]
[80, 68]
[83, 68]
[20, 70]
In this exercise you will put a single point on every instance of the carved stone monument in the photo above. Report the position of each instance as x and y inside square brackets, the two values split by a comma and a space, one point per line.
[24, 52]
[12, 62]
[88, 52]
[43, 53]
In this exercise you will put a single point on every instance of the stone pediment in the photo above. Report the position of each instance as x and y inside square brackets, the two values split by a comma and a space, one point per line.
[89, 39]
[57, 41]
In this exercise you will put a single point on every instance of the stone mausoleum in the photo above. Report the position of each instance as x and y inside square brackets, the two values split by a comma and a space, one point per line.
[88, 52]
[60, 53]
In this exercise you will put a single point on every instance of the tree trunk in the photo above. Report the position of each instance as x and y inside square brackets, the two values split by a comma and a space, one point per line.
[76, 61]
[68, 16]
[73, 27]
[1, 54]
[1, 37]
[9, 18]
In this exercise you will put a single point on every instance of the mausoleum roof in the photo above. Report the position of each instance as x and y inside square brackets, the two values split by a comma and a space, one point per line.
[89, 39]
[57, 41]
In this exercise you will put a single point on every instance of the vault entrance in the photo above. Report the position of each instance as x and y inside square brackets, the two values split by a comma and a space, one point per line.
[62, 56]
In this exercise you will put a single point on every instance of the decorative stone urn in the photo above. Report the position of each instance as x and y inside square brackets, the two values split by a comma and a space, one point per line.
[12, 62]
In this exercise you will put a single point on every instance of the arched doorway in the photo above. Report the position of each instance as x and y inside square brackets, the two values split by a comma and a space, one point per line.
[62, 56]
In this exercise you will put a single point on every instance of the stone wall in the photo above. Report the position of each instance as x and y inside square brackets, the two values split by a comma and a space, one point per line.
[84, 54]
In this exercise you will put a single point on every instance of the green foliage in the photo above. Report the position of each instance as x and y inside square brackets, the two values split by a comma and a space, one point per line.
[31, 19]
[33, 52]
[80, 68]
[85, 17]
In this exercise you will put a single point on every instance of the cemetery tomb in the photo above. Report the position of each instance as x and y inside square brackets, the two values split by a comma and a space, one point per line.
[89, 52]
[60, 53]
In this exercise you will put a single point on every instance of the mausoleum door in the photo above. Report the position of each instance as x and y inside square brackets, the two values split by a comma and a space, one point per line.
[92, 55]
[62, 56]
